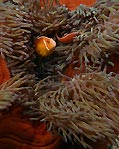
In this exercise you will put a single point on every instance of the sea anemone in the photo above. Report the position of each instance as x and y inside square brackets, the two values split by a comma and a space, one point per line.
[4, 71]
[96, 43]
[116, 145]
[79, 106]
[12, 90]
[19, 29]
[85, 106]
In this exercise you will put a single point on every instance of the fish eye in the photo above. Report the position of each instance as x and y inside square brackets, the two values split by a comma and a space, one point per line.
[48, 41]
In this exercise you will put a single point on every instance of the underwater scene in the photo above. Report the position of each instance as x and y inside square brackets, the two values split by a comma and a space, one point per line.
[59, 74]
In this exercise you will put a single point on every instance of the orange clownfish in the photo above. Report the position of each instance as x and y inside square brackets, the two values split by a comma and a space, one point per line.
[67, 38]
[44, 46]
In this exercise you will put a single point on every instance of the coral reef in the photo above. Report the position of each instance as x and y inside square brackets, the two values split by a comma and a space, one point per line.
[75, 89]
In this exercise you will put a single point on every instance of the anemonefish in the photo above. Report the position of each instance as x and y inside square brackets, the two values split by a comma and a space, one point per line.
[44, 46]
[68, 37]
